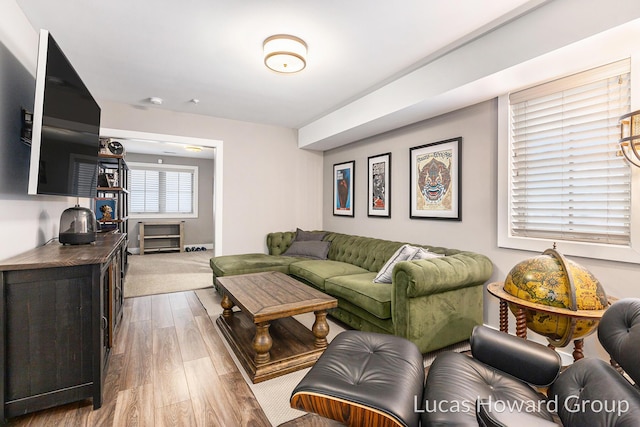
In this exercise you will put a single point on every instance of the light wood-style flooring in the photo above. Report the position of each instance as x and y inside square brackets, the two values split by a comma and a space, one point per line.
[168, 367]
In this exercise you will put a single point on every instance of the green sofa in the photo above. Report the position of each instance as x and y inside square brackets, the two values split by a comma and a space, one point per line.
[432, 302]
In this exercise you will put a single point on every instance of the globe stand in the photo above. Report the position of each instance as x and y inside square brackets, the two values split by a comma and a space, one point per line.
[522, 306]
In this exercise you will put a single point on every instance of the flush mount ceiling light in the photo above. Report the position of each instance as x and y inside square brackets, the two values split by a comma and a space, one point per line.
[285, 54]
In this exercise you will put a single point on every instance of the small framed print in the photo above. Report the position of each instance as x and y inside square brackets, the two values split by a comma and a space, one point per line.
[343, 184]
[435, 189]
[105, 209]
[379, 186]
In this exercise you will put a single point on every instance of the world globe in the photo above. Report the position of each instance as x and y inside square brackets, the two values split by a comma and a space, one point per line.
[552, 280]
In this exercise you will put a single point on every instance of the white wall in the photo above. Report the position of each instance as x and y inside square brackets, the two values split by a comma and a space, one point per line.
[477, 125]
[269, 184]
[25, 221]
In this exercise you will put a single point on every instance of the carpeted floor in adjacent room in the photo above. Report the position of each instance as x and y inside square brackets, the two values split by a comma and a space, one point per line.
[167, 272]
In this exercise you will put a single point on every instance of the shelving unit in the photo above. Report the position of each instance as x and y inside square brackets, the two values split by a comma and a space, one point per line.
[113, 183]
[161, 237]
[116, 187]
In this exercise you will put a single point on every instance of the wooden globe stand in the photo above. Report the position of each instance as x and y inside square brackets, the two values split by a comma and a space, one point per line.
[496, 289]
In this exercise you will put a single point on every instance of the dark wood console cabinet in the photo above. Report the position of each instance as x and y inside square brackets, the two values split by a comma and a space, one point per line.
[61, 306]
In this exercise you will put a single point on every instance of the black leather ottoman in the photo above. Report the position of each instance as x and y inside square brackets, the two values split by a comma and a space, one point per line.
[365, 379]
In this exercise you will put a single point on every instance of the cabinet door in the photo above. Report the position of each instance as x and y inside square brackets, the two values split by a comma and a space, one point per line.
[48, 342]
[105, 310]
[118, 290]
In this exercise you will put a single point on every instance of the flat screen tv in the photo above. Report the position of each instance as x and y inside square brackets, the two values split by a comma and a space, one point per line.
[66, 126]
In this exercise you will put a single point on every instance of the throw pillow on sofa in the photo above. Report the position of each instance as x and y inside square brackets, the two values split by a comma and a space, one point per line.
[402, 254]
[422, 253]
[308, 249]
[304, 236]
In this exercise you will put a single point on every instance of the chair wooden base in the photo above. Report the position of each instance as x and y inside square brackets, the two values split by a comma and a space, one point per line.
[343, 411]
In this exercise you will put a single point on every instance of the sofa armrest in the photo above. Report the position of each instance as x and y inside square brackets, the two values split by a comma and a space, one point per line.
[435, 275]
[279, 242]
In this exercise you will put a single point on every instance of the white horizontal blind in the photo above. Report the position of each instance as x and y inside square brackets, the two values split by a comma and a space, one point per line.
[567, 183]
[178, 192]
[84, 177]
[160, 190]
[144, 191]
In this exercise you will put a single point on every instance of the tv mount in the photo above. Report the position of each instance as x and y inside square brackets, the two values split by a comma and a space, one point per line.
[27, 126]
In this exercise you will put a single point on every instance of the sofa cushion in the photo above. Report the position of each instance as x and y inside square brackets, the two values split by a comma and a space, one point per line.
[229, 265]
[317, 271]
[308, 249]
[403, 253]
[359, 290]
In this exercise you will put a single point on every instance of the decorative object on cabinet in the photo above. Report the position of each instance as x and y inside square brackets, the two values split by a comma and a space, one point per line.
[379, 186]
[161, 237]
[343, 185]
[434, 183]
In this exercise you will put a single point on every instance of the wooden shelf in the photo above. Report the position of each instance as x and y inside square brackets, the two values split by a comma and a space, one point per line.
[161, 237]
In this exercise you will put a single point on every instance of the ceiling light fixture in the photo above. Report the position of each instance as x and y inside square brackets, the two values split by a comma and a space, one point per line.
[285, 54]
[155, 100]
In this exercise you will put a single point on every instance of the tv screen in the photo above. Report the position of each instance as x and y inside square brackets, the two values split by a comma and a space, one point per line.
[66, 127]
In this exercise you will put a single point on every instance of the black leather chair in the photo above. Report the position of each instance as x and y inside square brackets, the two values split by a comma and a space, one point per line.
[365, 378]
[375, 379]
[591, 392]
[497, 386]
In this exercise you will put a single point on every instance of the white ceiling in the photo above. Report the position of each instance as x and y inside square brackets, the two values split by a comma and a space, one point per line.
[127, 51]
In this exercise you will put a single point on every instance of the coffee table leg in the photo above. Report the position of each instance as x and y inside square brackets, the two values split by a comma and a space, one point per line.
[320, 329]
[262, 343]
[227, 306]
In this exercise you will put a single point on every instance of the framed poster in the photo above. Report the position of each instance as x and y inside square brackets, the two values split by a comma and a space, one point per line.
[435, 191]
[379, 186]
[105, 209]
[343, 176]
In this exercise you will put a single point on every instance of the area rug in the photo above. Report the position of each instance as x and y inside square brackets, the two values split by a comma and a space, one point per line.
[167, 272]
[273, 395]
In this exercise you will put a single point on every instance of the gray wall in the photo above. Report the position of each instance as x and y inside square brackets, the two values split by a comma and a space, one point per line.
[25, 221]
[197, 231]
[477, 125]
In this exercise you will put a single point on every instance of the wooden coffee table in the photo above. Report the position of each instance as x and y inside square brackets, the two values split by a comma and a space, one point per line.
[263, 335]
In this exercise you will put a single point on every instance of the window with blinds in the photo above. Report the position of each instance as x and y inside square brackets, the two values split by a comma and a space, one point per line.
[167, 190]
[567, 181]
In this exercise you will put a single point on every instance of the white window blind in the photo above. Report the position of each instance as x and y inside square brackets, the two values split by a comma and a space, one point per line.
[567, 183]
[83, 175]
[162, 189]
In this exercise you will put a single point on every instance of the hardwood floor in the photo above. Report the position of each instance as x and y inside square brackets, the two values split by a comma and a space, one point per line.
[168, 367]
